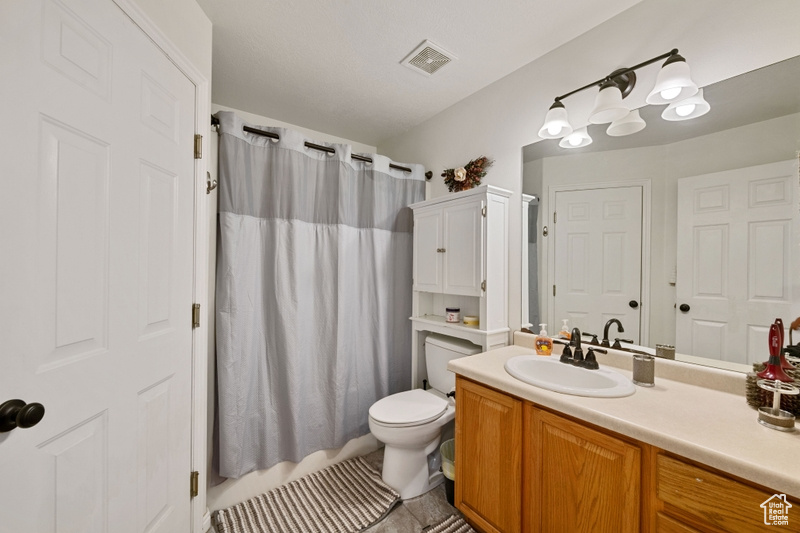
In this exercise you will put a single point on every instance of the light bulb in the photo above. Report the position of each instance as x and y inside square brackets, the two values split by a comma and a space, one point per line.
[669, 94]
[574, 140]
[554, 129]
[685, 110]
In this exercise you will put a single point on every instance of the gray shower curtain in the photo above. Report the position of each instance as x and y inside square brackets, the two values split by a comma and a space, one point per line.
[313, 294]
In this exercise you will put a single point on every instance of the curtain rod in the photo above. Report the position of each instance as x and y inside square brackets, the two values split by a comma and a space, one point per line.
[326, 149]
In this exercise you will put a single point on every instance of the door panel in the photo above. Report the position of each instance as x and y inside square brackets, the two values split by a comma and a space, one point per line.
[463, 259]
[97, 233]
[428, 258]
[598, 247]
[735, 260]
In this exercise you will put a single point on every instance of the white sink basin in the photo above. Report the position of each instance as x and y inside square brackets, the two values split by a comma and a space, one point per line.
[551, 374]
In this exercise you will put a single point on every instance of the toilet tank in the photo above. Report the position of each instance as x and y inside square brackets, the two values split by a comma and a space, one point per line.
[439, 349]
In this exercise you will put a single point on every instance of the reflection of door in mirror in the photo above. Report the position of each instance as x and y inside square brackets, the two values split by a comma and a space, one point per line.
[735, 264]
[530, 263]
[598, 258]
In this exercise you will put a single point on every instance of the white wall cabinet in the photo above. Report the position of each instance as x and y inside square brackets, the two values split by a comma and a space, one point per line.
[448, 241]
[460, 260]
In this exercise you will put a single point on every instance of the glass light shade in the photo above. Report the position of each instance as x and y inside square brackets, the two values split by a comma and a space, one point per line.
[577, 139]
[673, 83]
[608, 106]
[630, 123]
[556, 123]
[688, 108]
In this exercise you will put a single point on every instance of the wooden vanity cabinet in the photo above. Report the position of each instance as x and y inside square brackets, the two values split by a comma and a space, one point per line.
[523, 468]
[488, 457]
[579, 479]
[693, 498]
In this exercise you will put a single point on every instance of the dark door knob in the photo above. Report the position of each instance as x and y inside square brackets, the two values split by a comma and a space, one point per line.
[684, 308]
[634, 304]
[18, 414]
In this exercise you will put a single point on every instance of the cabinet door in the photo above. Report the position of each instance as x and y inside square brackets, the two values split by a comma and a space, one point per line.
[581, 480]
[428, 254]
[463, 242]
[488, 457]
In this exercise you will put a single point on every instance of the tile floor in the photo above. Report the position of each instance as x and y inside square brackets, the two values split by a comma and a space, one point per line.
[415, 514]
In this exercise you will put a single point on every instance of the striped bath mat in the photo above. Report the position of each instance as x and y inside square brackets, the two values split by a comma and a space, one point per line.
[343, 498]
[451, 524]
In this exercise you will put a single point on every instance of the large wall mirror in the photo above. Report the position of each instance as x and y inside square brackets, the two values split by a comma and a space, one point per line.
[687, 232]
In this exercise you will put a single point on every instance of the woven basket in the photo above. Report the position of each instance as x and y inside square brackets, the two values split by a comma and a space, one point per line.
[758, 397]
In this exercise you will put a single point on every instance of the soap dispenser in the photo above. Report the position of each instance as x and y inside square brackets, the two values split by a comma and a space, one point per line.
[565, 333]
[543, 343]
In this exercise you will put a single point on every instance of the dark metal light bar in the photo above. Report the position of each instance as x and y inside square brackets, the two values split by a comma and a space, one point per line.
[618, 73]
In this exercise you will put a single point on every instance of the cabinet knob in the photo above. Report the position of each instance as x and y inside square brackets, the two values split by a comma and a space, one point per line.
[441, 250]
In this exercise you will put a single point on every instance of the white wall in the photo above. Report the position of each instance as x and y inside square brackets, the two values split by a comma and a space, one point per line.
[755, 144]
[719, 38]
[231, 491]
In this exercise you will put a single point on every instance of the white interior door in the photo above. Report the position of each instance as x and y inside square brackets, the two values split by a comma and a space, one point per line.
[96, 279]
[598, 259]
[736, 263]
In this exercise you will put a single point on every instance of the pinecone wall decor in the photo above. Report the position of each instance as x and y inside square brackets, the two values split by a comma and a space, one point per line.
[468, 176]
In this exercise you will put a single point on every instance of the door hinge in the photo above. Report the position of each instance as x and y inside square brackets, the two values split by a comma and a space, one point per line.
[483, 285]
[195, 316]
[554, 290]
[194, 484]
[483, 211]
[554, 217]
[198, 146]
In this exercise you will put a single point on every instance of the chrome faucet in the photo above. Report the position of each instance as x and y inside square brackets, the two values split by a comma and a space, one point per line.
[620, 329]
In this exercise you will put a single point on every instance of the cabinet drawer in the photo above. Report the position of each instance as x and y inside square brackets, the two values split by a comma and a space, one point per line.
[711, 498]
[665, 524]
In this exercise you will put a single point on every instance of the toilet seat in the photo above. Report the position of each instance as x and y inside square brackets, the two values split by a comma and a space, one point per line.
[409, 408]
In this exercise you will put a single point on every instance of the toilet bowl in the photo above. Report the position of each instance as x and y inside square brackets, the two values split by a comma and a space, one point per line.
[410, 423]
[408, 443]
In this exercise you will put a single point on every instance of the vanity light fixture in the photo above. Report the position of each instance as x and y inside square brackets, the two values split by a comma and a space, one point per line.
[556, 123]
[630, 123]
[577, 139]
[673, 82]
[673, 86]
[608, 105]
[692, 107]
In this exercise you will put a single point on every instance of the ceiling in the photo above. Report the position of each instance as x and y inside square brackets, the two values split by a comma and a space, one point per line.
[335, 67]
[761, 94]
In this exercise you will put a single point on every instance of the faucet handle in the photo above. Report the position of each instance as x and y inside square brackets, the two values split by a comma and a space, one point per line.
[591, 361]
[617, 342]
[566, 355]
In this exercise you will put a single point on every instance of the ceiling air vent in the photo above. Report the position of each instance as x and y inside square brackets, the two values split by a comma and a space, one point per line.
[427, 58]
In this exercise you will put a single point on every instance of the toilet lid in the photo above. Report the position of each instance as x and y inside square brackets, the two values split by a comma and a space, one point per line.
[410, 408]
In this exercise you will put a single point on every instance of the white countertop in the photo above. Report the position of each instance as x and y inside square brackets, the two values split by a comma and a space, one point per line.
[711, 425]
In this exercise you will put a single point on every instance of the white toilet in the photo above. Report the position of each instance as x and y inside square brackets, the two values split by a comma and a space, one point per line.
[410, 423]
